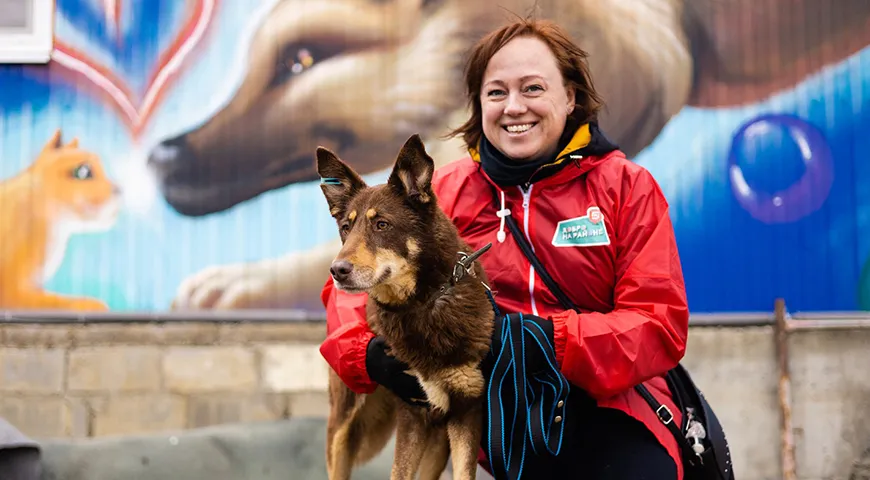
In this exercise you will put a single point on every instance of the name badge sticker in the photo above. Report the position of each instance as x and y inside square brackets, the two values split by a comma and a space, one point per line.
[586, 231]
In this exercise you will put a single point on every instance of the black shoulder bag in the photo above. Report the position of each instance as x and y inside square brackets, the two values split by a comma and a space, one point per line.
[702, 441]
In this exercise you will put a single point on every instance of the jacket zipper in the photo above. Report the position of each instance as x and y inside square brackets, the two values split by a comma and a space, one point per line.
[527, 193]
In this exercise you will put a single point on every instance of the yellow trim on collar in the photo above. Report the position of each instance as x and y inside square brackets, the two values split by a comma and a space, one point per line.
[581, 138]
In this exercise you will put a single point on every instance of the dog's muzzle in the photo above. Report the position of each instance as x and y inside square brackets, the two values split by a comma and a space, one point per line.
[341, 270]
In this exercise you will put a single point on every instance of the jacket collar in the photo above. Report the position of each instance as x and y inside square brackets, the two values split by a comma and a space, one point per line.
[584, 149]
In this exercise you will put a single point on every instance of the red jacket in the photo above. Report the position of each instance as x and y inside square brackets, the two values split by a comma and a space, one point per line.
[626, 279]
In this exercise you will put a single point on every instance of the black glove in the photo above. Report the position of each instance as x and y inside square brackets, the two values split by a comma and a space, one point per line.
[389, 372]
[534, 359]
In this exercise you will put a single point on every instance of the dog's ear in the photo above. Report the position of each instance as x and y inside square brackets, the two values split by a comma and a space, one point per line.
[413, 171]
[338, 181]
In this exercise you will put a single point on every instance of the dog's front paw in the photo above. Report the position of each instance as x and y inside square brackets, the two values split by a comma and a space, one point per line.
[237, 286]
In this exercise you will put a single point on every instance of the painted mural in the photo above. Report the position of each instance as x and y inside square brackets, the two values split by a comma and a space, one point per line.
[164, 158]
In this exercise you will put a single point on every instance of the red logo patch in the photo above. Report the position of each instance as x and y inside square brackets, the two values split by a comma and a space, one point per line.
[595, 215]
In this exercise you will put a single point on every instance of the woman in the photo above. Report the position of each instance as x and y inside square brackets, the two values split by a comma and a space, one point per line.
[599, 225]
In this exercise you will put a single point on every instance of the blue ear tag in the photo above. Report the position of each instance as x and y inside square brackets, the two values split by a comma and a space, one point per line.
[330, 181]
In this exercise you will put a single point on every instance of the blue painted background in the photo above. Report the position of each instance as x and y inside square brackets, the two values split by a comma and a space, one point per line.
[732, 260]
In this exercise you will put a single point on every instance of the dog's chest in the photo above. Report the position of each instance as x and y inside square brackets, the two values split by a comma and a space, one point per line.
[401, 331]
[414, 337]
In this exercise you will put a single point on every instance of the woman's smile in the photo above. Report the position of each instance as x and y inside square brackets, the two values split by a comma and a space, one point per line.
[518, 130]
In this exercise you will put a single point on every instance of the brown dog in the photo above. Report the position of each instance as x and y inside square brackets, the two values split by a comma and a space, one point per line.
[401, 249]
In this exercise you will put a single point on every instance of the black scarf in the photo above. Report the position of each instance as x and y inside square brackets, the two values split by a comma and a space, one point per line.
[507, 173]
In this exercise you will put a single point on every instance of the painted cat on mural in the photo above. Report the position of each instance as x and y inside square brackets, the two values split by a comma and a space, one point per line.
[64, 191]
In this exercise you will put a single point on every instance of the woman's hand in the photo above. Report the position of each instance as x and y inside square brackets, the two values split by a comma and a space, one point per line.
[537, 336]
[392, 374]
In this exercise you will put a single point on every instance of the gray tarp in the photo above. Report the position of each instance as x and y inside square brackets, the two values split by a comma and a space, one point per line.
[19, 455]
[287, 450]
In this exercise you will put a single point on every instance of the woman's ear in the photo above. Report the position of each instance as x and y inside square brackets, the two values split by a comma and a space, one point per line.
[571, 99]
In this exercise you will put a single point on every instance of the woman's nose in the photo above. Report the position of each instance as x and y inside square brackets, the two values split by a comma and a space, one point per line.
[514, 106]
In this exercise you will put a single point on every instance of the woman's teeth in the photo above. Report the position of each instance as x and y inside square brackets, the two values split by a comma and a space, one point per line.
[519, 128]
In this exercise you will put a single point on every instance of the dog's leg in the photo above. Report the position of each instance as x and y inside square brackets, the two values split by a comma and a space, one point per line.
[343, 450]
[464, 433]
[377, 421]
[411, 437]
[465, 423]
[436, 455]
[342, 406]
[358, 427]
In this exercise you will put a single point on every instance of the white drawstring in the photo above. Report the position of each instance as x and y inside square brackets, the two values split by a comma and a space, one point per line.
[501, 214]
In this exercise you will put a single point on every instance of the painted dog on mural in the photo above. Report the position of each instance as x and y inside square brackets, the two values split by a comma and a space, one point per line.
[324, 85]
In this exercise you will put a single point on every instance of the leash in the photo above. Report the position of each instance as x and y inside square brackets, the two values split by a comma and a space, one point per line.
[537, 416]
[535, 403]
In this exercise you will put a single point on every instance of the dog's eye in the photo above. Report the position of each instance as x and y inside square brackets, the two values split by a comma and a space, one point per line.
[382, 225]
[296, 58]
[345, 227]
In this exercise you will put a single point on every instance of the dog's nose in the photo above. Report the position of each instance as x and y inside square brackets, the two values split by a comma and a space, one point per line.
[341, 269]
[169, 155]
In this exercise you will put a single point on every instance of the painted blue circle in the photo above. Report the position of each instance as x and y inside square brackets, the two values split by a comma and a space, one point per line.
[780, 168]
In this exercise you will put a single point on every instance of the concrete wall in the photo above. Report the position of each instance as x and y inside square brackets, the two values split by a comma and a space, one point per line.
[79, 381]
[736, 368]
[97, 380]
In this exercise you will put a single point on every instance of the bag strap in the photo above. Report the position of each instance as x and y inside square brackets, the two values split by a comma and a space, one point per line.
[661, 410]
[539, 267]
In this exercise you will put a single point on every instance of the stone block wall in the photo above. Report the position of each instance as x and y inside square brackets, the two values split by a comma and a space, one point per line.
[110, 379]
[113, 379]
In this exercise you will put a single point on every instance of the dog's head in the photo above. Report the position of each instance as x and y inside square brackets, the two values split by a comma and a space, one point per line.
[383, 228]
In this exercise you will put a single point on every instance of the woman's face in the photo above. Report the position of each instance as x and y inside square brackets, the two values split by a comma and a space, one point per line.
[524, 100]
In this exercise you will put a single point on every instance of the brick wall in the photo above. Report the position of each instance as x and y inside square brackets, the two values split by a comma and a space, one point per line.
[107, 379]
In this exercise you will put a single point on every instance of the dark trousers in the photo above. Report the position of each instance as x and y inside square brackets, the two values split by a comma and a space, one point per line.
[603, 443]
[612, 445]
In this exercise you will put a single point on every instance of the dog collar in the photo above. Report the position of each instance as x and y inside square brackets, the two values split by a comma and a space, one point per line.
[460, 270]
[463, 267]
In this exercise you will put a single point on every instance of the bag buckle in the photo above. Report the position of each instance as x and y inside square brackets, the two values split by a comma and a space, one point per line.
[670, 416]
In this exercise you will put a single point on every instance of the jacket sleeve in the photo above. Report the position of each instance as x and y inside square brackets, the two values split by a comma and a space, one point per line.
[645, 334]
[347, 337]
